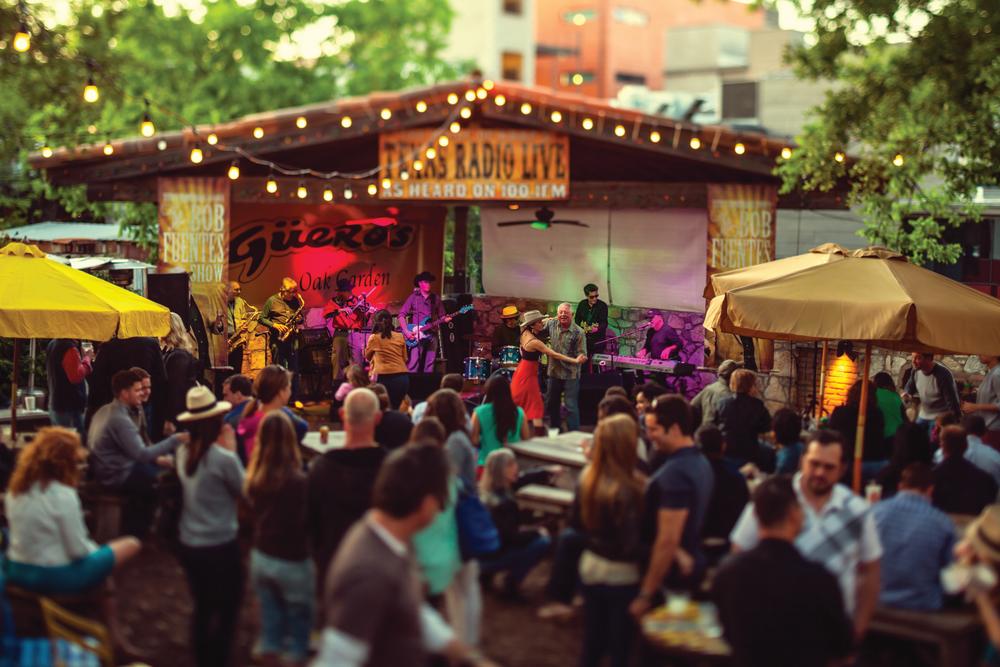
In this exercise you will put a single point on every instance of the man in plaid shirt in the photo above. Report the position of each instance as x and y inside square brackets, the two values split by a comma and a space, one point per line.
[566, 338]
[839, 530]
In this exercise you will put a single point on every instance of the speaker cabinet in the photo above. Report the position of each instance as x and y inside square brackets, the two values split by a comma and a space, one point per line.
[592, 388]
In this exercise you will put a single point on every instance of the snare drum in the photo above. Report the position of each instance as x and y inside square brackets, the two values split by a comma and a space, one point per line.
[477, 369]
[510, 356]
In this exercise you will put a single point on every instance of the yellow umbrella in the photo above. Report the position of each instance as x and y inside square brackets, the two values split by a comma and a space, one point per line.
[720, 283]
[41, 298]
[875, 296]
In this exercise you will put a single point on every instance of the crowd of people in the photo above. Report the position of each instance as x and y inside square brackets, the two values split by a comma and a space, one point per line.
[386, 545]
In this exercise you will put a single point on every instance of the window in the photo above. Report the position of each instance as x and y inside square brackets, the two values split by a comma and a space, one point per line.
[625, 78]
[511, 64]
[575, 78]
[579, 17]
[512, 7]
[739, 100]
[630, 16]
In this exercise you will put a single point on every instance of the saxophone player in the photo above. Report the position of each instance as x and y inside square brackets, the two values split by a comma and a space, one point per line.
[282, 313]
[241, 320]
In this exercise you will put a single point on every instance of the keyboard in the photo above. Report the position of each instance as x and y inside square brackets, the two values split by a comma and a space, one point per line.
[678, 368]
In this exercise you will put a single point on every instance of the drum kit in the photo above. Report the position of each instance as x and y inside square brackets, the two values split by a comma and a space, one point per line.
[479, 369]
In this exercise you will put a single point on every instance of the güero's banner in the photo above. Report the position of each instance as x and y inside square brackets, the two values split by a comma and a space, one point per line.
[508, 165]
[194, 235]
[741, 232]
[377, 249]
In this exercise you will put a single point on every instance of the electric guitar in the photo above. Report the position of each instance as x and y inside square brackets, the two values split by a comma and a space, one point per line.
[421, 331]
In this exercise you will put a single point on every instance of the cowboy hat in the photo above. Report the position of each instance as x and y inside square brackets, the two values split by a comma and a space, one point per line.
[984, 533]
[423, 276]
[202, 404]
[509, 312]
[530, 317]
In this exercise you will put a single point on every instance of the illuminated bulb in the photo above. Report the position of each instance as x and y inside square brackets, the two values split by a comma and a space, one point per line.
[481, 93]
[161, 145]
[421, 106]
[579, 19]
[695, 143]
[386, 114]
[418, 165]
[556, 117]
[838, 156]
[258, 132]
[196, 154]
[577, 79]
[22, 39]
[488, 84]
[212, 139]
[90, 92]
[345, 122]
[92, 129]
[108, 148]
[404, 175]
[431, 153]
[327, 193]
[146, 128]
[739, 148]
[234, 171]
[525, 108]
[301, 122]
[443, 141]
[455, 127]
[272, 185]
[470, 96]
[500, 100]
[348, 193]
[466, 112]
[301, 191]
[386, 183]
[46, 151]
[588, 124]
[619, 130]
[452, 99]
[898, 160]
[372, 189]
[786, 153]
[654, 136]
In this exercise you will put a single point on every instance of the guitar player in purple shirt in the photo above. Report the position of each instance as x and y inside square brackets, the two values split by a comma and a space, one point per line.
[420, 306]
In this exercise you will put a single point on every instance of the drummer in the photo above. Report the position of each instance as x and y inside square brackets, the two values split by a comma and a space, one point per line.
[507, 333]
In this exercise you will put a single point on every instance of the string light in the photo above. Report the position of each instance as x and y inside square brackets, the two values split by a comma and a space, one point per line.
[525, 108]
[90, 92]
[695, 143]
[212, 139]
[470, 96]
[443, 141]
[22, 39]
[418, 165]
[466, 113]
[161, 145]
[272, 185]
[386, 183]
[500, 100]
[786, 153]
[404, 175]
[234, 170]
[838, 156]
[146, 127]
[301, 191]
[588, 124]
[108, 148]
[301, 122]
[654, 136]
[898, 160]
[258, 132]
[346, 122]
[46, 151]
[488, 84]
[372, 189]
[386, 114]
[455, 127]
[421, 106]
[577, 79]
[452, 99]
[619, 130]
[739, 148]
[327, 193]
[431, 153]
[196, 154]
[348, 192]
[481, 93]
[556, 117]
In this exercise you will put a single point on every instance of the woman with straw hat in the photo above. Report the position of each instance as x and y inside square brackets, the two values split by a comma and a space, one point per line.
[524, 385]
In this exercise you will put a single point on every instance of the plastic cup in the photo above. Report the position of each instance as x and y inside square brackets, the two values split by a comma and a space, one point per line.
[324, 434]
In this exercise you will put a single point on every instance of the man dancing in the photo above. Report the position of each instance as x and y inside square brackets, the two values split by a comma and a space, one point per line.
[241, 318]
[340, 320]
[421, 305]
[282, 313]
[566, 338]
[592, 317]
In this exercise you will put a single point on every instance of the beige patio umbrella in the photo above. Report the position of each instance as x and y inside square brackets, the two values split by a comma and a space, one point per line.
[874, 296]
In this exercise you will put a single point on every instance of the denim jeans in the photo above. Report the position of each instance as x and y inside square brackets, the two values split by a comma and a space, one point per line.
[563, 578]
[553, 402]
[516, 561]
[215, 576]
[68, 419]
[286, 592]
[608, 628]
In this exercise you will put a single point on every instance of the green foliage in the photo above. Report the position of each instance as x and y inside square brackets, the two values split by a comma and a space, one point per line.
[917, 78]
[229, 60]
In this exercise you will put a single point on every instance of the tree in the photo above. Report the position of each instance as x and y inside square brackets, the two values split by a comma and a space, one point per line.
[918, 105]
[228, 59]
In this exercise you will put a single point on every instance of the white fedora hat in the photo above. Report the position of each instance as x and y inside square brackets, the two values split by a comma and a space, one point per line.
[202, 404]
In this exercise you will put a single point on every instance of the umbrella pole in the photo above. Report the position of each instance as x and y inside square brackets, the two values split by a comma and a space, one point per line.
[859, 435]
[13, 393]
[822, 382]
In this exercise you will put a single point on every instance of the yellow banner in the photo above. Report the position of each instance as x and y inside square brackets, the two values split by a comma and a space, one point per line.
[507, 165]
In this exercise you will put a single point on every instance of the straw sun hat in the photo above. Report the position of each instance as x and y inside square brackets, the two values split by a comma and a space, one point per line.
[984, 533]
[530, 317]
[202, 404]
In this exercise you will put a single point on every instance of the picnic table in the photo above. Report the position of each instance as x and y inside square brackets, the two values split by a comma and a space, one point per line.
[27, 420]
[564, 449]
[311, 441]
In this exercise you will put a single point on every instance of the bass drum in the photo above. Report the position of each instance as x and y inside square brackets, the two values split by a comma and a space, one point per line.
[476, 369]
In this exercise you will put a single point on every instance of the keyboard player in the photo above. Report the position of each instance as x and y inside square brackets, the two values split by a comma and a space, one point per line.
[661, 341]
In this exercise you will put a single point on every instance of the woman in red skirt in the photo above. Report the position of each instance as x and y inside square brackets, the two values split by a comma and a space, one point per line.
[524, 386]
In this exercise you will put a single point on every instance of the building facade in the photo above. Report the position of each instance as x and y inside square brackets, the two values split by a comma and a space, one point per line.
[497, 37]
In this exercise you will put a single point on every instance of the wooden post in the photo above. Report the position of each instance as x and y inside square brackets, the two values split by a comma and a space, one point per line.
[13, 392]
[822, 382]
[460, 243]
[859, 434]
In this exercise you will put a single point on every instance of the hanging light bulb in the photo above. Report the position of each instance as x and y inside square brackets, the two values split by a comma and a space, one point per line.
[234, 170]
[488, 84]
[431, 153]
[619, 130]
[786, 153]
[90, 92]
[695, 143]
[452, 99]
[386, 183]
[348, 192]
[212, 139]
[161, 145]
[455, 127]
[500, 100]
[465, 113]
[301, 191]
[556, 117]
[272, 185]
[196, 154]
[46, 150]
[654, 136]
[443, 141]
[898, 160]
[470, 96]
[525, 108]
[346, 122]
[418, 165]
[421, 106]
[838, 156]
[327, 193]
[258, 132]
[146, 128]
[481, 93]
[372, 189]
[301, 122]
[108, 148]
[588, 123]
[404, 175]
[385, 114]
[22, 39]
[739, 148]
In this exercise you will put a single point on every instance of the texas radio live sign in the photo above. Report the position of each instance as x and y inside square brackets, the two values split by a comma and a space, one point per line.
[475, 164]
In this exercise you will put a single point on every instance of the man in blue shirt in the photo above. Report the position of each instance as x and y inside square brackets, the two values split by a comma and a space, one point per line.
[677, 499]
[917, 543]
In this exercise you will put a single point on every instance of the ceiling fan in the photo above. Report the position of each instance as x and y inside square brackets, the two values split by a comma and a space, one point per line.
[542, 220]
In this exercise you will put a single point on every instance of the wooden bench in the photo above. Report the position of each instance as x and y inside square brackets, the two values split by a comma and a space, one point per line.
[954, 633]
[546, 499]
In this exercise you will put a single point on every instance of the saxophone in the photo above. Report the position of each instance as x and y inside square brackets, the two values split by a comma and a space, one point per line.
[290, 323]
[243, 329]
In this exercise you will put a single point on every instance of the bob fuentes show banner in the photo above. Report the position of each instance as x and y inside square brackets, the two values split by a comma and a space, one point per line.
[314, 245]
[507, 165]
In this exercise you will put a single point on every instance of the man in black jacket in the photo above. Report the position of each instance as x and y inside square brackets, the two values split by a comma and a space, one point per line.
[959, 486]
[121, 354]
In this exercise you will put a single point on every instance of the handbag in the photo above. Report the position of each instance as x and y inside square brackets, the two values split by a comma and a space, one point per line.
[477, 534]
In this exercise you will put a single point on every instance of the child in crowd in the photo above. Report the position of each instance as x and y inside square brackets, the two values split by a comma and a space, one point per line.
[355, 377]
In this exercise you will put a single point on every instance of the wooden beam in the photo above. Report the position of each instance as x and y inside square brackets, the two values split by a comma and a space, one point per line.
[460, 244]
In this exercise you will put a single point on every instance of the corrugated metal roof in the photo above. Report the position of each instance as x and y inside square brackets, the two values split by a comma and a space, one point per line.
[65, 231]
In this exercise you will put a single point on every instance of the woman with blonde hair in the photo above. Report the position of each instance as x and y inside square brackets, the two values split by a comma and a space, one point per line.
[281, 571]
[271, 389]
[607, 510]
[182, 366]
